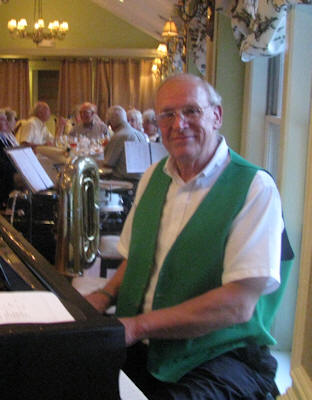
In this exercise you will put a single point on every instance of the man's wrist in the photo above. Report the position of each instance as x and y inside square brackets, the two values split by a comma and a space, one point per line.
[111, 297]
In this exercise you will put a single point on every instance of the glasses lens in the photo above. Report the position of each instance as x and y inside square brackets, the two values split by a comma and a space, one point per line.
[189, 113]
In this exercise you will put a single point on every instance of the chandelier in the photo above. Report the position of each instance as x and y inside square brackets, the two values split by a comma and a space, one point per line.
[38, 33]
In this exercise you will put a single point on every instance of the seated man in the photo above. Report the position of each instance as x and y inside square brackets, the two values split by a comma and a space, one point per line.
[90, 124]
[34, 131]
[203, 269]
[114, 152]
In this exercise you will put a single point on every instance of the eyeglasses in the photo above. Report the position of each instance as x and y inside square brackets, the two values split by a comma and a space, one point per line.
[189, 113]
[86, 112]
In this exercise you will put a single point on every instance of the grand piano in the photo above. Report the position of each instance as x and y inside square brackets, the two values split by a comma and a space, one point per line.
[68, 360]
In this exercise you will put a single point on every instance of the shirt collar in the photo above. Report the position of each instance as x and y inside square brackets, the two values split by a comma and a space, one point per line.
[220, 156]
[38, 121]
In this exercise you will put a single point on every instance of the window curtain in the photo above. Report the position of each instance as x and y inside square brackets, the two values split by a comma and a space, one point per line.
[128, 83]
[14, 84]
[259, 27]
[75, 85]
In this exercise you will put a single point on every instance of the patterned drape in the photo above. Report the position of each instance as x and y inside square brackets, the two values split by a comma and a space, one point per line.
[127, 82]
[259, 26]
[14, 84]
[198, 34]
[75, 85]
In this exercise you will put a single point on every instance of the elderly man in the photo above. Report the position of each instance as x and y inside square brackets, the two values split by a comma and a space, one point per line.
[34, 130]
[114, 152]
[90, 124]
[200, 281]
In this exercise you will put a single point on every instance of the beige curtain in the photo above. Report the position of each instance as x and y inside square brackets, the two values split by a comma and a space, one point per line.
[147, 86]
[14, 84]
[75, 85]
[129, 83]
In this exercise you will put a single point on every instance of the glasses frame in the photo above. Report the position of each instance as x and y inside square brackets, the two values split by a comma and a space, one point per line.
[187, 113]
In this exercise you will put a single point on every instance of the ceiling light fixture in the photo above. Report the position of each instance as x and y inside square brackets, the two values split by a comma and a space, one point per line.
[55, 30]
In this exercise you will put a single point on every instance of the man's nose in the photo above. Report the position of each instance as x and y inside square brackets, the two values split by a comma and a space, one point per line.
[179, 120]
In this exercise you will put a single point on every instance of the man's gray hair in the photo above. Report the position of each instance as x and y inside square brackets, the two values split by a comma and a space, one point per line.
[149, 115]
[214, 97]
[117, 113]
[137, 115]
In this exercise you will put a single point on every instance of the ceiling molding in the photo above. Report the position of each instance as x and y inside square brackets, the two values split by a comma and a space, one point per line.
[74, 52]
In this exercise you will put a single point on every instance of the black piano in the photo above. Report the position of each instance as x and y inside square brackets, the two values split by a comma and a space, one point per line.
[71, 360]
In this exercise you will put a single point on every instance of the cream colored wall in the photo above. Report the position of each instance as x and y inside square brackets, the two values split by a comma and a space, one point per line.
[229, 81]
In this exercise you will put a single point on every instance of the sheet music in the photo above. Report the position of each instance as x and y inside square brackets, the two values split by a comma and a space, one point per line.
[139, 156]
[32, 307]
[158, 151]
[28, 165]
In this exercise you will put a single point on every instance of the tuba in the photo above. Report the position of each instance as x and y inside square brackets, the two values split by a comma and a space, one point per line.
[78, 223]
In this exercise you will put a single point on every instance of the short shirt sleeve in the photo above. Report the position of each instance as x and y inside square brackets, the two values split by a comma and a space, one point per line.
[254, 245]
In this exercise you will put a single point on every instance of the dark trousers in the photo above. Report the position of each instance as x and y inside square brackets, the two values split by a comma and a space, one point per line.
[243, 374]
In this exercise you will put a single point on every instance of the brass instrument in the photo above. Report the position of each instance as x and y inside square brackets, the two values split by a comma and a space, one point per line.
[78, 225]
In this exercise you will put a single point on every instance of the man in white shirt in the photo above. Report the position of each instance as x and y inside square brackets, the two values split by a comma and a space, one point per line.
[202, 256]
[34, 131]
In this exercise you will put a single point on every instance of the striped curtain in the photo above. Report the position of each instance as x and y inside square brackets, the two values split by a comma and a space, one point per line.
[75, 85]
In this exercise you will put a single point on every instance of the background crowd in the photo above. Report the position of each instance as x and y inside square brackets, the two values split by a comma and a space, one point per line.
[84, 127]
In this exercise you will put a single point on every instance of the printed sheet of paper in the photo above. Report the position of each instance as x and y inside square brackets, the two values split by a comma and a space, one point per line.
[27, 163]
[158, 151]
[138, 157]
[32, 307]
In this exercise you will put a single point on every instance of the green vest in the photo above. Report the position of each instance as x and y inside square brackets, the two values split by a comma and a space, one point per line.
[193, 266]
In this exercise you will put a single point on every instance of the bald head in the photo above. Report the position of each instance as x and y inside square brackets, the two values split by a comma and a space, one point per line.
[213, 96]
[42, 111]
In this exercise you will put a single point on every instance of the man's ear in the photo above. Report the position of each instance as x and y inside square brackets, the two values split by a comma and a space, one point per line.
[218, 113]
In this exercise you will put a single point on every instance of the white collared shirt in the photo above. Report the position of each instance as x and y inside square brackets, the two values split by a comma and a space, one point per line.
[253, 247]
[34, 131]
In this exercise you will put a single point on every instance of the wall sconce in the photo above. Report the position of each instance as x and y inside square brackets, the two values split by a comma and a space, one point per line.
[170, 29]
[162, 50]
[167, 51]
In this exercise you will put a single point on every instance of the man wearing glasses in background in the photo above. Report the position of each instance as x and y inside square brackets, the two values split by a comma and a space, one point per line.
[201, 277]
[91, 125]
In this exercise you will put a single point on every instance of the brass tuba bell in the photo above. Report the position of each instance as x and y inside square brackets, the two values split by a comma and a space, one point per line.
[78, 225]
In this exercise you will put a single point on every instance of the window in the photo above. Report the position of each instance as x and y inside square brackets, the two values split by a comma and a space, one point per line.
[273, 114]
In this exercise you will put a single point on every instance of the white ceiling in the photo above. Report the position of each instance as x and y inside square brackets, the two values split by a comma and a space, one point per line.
[147, 15]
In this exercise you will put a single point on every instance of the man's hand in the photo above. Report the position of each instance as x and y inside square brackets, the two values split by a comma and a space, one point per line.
[99, 301]
[129, 324]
